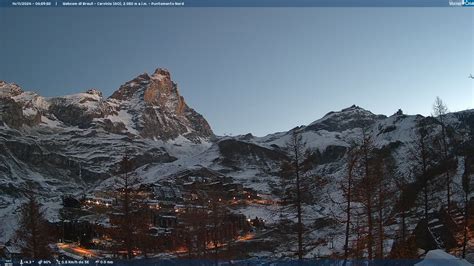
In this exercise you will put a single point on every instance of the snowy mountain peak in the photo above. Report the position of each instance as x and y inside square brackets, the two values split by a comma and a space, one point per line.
[353, 110]
[94, 92]
[347, 118]
[151, 106]
[157, 89]
[129, 90]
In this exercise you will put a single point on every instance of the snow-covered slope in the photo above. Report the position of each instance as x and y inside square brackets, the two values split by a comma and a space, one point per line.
[69, 144]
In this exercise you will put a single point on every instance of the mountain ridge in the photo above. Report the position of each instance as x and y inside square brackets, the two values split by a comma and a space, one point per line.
[146, 106]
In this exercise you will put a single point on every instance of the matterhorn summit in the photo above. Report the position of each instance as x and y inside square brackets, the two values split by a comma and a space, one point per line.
[151, 106]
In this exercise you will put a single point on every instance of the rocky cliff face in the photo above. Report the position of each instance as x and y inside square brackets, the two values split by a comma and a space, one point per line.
[147, 107]
[9, 89]
[18, 107]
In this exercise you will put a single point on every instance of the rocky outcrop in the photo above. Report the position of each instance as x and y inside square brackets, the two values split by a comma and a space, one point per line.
[237, 154]
[71, 115]
[8, 90]
[16, 115]
[79, 109]
[11, 113]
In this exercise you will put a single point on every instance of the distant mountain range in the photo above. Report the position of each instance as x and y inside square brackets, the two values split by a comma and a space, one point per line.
[148, 106]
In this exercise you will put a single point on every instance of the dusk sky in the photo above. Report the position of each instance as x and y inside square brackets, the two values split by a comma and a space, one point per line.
[258, 70]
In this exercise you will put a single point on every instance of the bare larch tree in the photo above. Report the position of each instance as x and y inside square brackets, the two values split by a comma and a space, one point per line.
[292, 171]
[439, 111]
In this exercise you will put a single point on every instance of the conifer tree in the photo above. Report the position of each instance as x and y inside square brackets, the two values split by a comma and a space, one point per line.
[33, 233]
